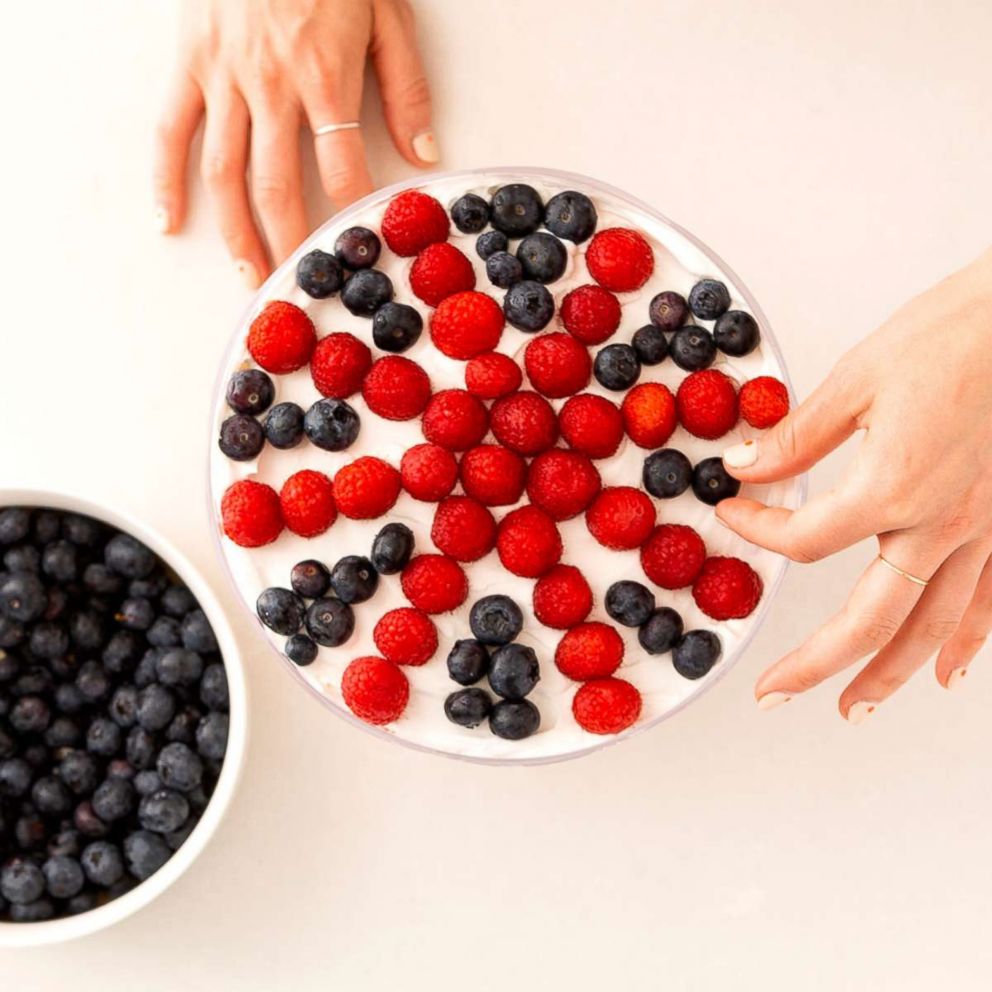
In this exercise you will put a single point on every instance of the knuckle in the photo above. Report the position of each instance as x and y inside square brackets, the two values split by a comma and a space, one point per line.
[874, 631]
[803, 553]
[272, 192]
[941, 628]
[413, 94]
[891, 679]
[219, 169]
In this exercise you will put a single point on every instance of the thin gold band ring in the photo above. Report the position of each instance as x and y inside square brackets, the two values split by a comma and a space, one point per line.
[905, 575]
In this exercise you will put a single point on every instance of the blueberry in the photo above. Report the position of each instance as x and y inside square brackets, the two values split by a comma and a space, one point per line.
[59, 561]
[34, 681]
[280, 610]
[514, 671]
[156, 708]
[15, 524]
[330, 622]
[101, 580]
[163, 811]
[495, 620]
[145, 853]
[36, 911]
[165, 632]
[49, 640]
[76, 527]
[177, 601]
[668, 311]
[177, 838]
[696, 653]
[366, 291]
[250, 391]
[80, 772]
[570, 215]
[667, 473]
[21, 881]
[127, 556]
[661, 631]
[178, 667]
[81, 903]
[63, 876]
[357, 248]
[319, 274]
[30, 715]
[102, 863]
[103, 737]
[136, 613]
[30, 832]
[50, 796]
[198, 635]
[67, 843]
[11, 632]
[503, 269]
[692, 348]
[468, 661]
[283, 425]
[650, 345]
[617, 367]
[22, 596]
[62, 732]
[183, 725]
[517, 210]
[514, 719]
[140, 748]
[736, 333]
[123, 651]
[179, 767]
[23, 558]
[470, 213]
[354, 579]
[213, 687]
[113, 799]
[93, 682]
[392, 549]
[709, 299]
[396, 327]
[123, 708]
[711, 482]
[528, 306]
[331, 424]
[211, 736]
[468, 707]
[310, 579]
[629, 602]
[15, 778]
[147, 782]
[121, 768]
[241, 437]
[301, 650]
[489, 243]
[542, 256]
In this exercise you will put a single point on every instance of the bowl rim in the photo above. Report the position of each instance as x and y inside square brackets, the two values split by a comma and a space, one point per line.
[72, 927]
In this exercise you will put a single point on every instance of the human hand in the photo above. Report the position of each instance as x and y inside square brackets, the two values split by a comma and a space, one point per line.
[257, 70]
[921, 389]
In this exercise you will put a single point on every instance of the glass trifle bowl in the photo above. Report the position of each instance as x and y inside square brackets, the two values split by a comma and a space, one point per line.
[408, 696]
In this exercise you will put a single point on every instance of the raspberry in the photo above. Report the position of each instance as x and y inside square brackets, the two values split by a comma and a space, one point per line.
[466, 325]
[562, 483]
[339, 364]
[463, 529]
[707, 404]
[621, 518]
[590, 314]
[307, 501]
[406, 636]
[493, 475]
[492, 375]
[592, 425]
[673, 556]
[589, 651]
[375, 690]
[251, 513]
[455, 419]
[434, 583]
[606, 706]
[367, 488]
[557, 365]
[727, 588]
[649, 414]
[412, 221]
[764, 401]
[439, 271]
[396, 388]
[562, 598]
[620, 259]
[524, 422]
[281, 338]
[528, 542]
[429, 473]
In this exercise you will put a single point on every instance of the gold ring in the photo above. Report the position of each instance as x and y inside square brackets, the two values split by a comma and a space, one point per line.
[905, 575]
[331, 128]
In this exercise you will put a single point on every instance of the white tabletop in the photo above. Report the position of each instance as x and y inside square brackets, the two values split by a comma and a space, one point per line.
[838, 156]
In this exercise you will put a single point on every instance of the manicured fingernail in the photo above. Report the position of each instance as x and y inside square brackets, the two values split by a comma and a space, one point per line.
[425, 147]
[741, 455]
[248, 273]
[772, 699]
[163, 223]
[956, 677]
[860, 711]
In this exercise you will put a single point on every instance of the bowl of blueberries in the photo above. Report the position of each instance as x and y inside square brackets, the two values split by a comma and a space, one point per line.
[123, 716]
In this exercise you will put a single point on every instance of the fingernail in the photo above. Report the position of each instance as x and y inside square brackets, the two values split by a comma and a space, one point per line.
[425, 147]
[162, 221]
[741, 455]
[248, 273]
[956, 677]
[772, 699]
[860, 711]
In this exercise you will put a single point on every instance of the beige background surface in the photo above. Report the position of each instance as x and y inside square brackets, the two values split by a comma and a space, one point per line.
[838, 156]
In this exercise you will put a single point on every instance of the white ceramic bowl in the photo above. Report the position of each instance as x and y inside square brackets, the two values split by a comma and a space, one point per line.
[70, 927]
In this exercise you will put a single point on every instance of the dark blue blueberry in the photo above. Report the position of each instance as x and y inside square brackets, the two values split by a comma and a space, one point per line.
[156, 708]
[62, 732]
[11, 633]
[283, 425]
[183, 726]
[529, 306]
[163, 811]
[30, 715]
[93, 682]
[21, 881]
[147, 782]
[145, 853]
[80, 772]
[49, 640]
[121, 768]
[571, 215]
[661, 631]
[319, 274]
[489, 243]
[629, 602]
[198, 635]
[136, 613]
[668, 311]
[692, 348]
[514, 719]
[696, 653]
[468, 661]
[141, 748]
[113, 799]
[81, 903]
[617, 367]
[22, 596]
[517, 210]
[211, 736]
[241, 437]
[470, 213]
[101, 580]
[310, 579]
[177, 601]
[76, 527]
[179, 667]
[366, 291]
[330, 622]
[736, 333]
[102, 863]
[48, 526]
[213, 687]
[59, 561]
[127, 556]
[150, 586]
[165, 632]
[67, 843]
[250, 391]
[34, 681]
[179, 767]
[30, 832]
[281, 610]
[177, 838]
[357, 248]
[667, 473]
[331, 424]
[103, 737]
[650, 344]
[50, 796]
[123, 651]
[711, 482]
[301, 650]
[354, 579]
[123, 708]
[495, 619]
[23, 558]
[15, 524]
[63, 876]
[709, 299]
[503, 269]
[514, 671]
[36, 911]
[468, 707]
[58, 600]
[15, 778]
[543, 257]
[396, 327]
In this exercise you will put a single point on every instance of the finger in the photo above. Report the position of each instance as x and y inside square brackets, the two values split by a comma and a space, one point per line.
[976, 624]
[225, 158]
[173, 137]
[344, 172]
[406, 97]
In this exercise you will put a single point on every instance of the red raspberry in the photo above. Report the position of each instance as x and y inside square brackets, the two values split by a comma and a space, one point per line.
[590, 314]
[562, 598]
[406, 636]
[589, 651]
[764, 401]
[455, 419]
[493, 475]
[620, 259]
[281, 338]
[649, 414]
[528, 542]
[621, 517]
[439, 271]
[606, 706]
[524, 422]
[396, 388]
[707, 404]
[727, 589]
[557, 365]
[492, 375]
[562, 483]
[307, 501]
[251, 513]
[412, 221]
[429, 473]
[466, 325]
[375, 690]
[592, 425]
[339, 364]
[673, 556]
[434, 583]
[367, 488]
[463, 529]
